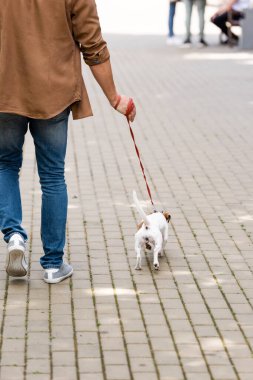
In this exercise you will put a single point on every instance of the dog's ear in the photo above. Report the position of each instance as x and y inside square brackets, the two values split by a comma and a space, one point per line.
[167, 216]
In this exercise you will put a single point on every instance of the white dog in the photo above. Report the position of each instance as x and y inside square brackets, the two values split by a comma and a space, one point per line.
[152, 233]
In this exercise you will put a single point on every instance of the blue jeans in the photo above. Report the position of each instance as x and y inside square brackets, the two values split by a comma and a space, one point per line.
[172, 11]
[50, 139]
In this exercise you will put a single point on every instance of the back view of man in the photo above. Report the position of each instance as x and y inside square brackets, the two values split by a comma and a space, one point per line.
[40, 83]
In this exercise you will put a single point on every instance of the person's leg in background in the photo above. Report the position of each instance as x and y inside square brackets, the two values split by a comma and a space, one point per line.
[172, 39]
[201, 6]
[13, 128]
[221, 22]
[172, 11]
[50, 139]
[188, 16]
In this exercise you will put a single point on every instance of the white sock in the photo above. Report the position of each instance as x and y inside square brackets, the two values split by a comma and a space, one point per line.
[16, 237]
[51, 270]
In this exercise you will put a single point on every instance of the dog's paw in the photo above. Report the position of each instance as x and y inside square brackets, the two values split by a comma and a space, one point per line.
[138, 267]
[156, 266]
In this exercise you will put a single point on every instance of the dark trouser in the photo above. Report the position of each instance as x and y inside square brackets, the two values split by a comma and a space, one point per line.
[222, 19]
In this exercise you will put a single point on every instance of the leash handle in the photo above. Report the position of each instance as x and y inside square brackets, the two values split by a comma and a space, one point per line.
[130, 108]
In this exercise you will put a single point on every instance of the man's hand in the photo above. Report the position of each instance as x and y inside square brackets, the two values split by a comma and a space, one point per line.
[123, 105]
[104, 77]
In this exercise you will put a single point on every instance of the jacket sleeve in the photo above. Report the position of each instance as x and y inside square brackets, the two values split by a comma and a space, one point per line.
[87, 32]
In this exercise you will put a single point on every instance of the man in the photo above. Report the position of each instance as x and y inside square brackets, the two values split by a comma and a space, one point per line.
[201, 5]
[220, 18]
[40, 83]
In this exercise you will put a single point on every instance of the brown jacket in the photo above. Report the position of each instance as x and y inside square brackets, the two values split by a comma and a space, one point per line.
[40, 60]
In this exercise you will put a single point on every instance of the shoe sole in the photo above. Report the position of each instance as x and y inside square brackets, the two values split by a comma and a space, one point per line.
[56, 280]
[14, 265]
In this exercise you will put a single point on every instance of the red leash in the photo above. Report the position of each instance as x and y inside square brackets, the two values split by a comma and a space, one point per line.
[130, 108]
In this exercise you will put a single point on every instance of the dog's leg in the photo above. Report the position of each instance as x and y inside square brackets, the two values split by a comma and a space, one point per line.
[157, 249]
[138, 259]
[138, 256]
[165, 235]
[156, 252]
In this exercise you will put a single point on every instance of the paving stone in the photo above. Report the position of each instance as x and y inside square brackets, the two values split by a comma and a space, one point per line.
[139, 350]
[40, 351]
[89, 350]
[64, 372]
[12, 372]
[142, 365]
[223, 372]
[115, 357]
[136, 337]
[244, 365]
[197, 375]
[38, 376]
[91, 376]
[245, 376]
[13, 345]
[194, 365]
[66, 358]
[166, 357]
[117, 372]
[90, 365]
[145, 376]
[12, 359]
[62, 344]
[173, 372]
[38, 366]
[112, 344]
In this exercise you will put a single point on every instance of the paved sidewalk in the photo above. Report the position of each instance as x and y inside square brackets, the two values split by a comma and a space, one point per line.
[192, 320]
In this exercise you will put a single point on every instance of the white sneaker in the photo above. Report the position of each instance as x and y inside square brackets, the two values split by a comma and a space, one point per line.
[173, 41]
[16, 265]
[55, 275]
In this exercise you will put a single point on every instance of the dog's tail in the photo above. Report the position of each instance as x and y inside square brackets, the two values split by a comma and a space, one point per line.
[139, 208]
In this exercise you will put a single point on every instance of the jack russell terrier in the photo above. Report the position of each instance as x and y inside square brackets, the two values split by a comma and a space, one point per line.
[152, 233]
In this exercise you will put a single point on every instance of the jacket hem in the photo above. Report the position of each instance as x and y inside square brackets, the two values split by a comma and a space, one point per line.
[8, 109]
